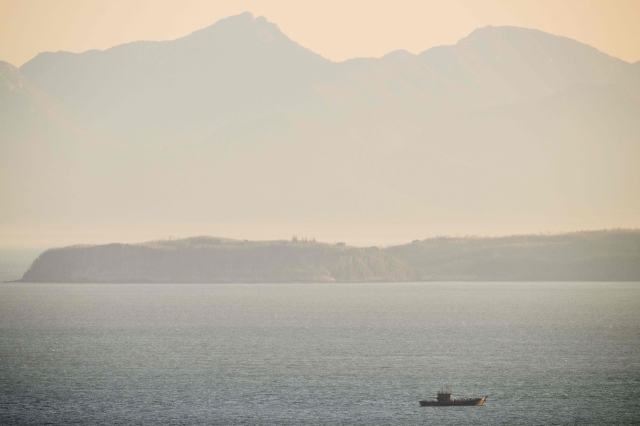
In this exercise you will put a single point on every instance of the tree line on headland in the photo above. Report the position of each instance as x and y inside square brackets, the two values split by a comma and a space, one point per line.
[612, 255]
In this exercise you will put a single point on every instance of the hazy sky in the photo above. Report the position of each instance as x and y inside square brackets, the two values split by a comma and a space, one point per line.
[337, 30]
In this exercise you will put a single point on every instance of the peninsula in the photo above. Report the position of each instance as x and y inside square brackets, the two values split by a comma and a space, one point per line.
[211, 260]
[610, 255]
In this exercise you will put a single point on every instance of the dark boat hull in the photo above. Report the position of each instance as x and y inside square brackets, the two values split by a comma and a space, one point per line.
[455, 403]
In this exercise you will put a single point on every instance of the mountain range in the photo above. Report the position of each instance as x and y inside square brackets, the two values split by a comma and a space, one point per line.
[238, 122]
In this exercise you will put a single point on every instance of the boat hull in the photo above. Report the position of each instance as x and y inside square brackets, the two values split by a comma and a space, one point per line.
[467, 402]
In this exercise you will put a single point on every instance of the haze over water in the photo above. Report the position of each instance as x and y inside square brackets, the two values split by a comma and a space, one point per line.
[244, 141]
[545, 353]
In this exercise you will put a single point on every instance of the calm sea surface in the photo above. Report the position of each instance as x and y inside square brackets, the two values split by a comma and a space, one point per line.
[363, 354]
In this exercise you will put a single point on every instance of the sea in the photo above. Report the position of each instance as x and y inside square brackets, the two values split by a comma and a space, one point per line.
[552, 353]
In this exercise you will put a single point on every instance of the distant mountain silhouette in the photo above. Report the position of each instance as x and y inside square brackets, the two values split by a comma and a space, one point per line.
[237, 121]
[26, 108]
[41, 150]
[242, 68]
[237, 69]
[510, 64]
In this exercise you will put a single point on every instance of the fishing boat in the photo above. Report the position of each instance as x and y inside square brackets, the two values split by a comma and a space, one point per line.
[445, 399]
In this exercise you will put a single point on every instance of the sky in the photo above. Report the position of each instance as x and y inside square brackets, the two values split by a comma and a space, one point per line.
[338, 30]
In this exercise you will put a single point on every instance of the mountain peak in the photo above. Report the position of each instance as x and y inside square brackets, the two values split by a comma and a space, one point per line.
[528, 38]
[244, 28]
